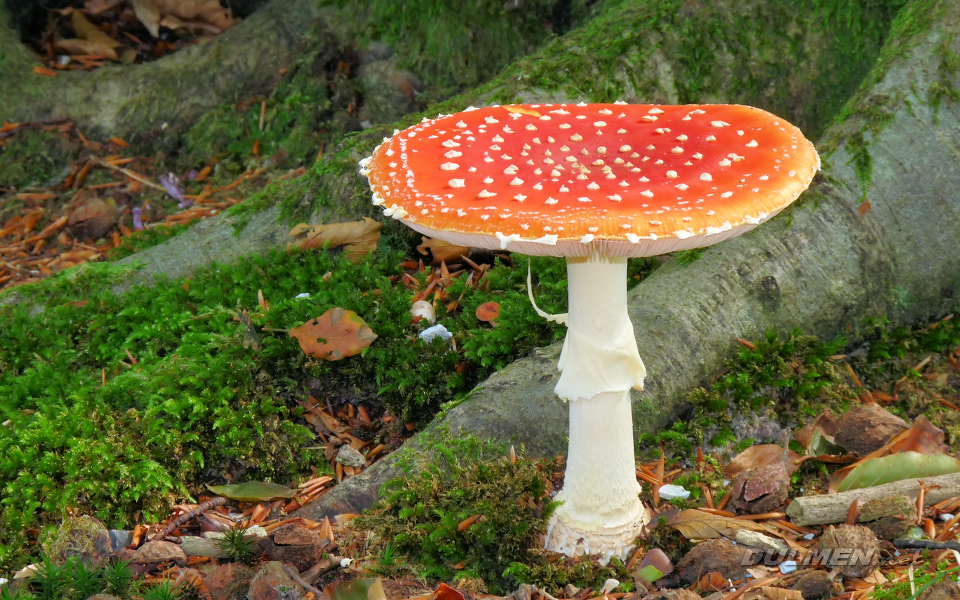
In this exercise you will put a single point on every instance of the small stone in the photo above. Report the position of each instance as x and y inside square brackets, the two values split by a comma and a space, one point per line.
[817, 585]
[570, 590]
[867, 428]
[755, 539]
[788, 566]
[890, 517]
[198, 546]
[83, 537]
[761, 489]
[294, 534]
[437, 331]
[854, 549]
[609, 585]
[120, 538]
[159, 551]
[672, 492]
[229, 582]
[524, 592]
[273, 583]
[713, 555]
[657, 558]
[351, 457]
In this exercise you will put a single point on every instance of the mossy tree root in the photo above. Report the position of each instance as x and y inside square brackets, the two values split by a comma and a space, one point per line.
[164, 97]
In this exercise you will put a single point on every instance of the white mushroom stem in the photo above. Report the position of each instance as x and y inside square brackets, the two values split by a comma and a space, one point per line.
[601, 512]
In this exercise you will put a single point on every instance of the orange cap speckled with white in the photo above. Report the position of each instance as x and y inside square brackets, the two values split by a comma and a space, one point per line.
[554, 179]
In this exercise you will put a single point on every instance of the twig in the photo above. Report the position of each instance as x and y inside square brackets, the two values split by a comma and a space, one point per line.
[130, 174]
[296, 577]
[926, 544]
[212, 503]
[321, 568]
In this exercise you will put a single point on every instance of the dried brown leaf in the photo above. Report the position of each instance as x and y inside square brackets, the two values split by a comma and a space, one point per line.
[334, 335]
[759, 456]
[152, 12]
[700, 525]
[441, 251]
[358, 238]
[75, 46]
[776, 593]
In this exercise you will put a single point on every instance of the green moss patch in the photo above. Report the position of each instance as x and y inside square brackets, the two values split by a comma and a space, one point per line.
[34, 157]
[475, 514]
[90, 429]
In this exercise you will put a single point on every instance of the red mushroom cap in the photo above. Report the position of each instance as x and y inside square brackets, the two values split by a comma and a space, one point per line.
[556, 179]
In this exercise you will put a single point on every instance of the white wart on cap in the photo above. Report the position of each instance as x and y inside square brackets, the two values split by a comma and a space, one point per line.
[562, 179]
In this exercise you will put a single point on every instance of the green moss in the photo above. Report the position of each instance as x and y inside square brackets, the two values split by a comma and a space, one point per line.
[945, 88]
[414, 529]
[865, 114]
[299, 118]
[453, 45]
[34, 157]
[419, 515]
[200, 403]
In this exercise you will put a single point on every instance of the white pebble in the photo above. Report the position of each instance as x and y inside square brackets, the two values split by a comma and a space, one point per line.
[437, 331]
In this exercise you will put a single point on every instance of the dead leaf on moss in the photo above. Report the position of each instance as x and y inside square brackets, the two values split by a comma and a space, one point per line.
[358, 238]
[442, 251]
[336, 334]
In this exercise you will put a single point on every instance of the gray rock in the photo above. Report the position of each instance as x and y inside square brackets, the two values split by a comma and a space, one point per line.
[83, 537]
[120, 538]
[273, 583]
[159, 551]
[351, 457]
[198, 546]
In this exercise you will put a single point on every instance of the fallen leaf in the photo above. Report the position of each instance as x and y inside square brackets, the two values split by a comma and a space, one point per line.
[334, 335]
[699, 525]
[758, 456]
[76, 46]
[921, 437]
[864, 207]
[468, 522]
[44, 71]
[648, 573]
[488, 311]
[897, 467]
[776, 593]
[152, 12]
[253, 491]
[441, 251]
[358, 238]
[825, 424]
[445, 592]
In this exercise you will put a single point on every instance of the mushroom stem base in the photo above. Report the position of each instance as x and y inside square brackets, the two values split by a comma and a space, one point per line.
[606, 542]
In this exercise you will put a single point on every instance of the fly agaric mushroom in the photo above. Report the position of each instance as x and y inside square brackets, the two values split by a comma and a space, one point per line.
[597, 184]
